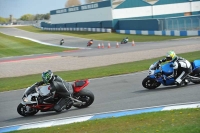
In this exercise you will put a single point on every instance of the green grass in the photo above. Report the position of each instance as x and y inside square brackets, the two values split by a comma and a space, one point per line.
[102, 36]
[13, 46]
[175, 121]
[178, 121]
[117, 69]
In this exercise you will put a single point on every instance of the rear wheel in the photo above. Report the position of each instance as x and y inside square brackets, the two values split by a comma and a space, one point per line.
[196, 81]
[24, 110]
[85, 96]
[150, 84]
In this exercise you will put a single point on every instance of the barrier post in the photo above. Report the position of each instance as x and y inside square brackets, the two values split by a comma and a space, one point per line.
[99, 46]
[108, 45]
[133, 43]
[117, 45]
[102, 45]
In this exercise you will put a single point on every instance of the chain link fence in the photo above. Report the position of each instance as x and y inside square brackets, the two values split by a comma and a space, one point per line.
[180, 23]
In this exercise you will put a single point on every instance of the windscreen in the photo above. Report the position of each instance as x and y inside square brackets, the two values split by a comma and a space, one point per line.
[30, 90]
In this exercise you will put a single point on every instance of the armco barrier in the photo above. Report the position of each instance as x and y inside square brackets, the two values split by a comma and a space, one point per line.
[55, 122]
[79, 29]
[162, 33]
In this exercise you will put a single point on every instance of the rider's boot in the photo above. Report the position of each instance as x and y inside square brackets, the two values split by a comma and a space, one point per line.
[69, 104]
[62, 104]
[178, 84]
[186, 81]
[182, 83]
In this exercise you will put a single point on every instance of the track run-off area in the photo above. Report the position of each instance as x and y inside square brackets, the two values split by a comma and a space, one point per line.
[111, 93]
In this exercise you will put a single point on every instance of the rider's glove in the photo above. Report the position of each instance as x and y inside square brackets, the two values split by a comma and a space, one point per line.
[39, 83]
[171, 65]
[160, 61]
[163, 60]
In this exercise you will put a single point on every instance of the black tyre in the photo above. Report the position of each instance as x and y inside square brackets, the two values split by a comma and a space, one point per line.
[150, 84]
[22, 110]
[196, 81]
[85, 96]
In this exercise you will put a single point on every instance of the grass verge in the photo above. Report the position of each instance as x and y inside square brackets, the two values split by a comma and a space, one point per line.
[102, 36]
[117, 69]
[175, 121]
[13, 46]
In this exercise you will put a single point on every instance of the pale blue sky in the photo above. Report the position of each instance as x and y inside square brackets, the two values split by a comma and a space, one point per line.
[20, 7]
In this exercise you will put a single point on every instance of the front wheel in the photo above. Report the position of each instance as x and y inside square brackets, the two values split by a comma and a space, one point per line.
[24, 110]
[150, 84]
[85, 96]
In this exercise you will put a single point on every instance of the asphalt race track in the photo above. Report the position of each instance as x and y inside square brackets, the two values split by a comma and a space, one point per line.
[80, 42]
[111, 93]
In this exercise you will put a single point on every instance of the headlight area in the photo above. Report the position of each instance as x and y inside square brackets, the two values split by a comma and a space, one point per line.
[25, 99]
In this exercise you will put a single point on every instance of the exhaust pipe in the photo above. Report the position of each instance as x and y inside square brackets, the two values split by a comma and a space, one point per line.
[77, 102]
[195, 79]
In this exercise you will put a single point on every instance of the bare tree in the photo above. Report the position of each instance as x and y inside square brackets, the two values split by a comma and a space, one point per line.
[89, 1]
[72, 3]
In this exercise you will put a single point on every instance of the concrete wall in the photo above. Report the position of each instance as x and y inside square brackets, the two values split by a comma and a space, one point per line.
[86, 15]
[152, 11]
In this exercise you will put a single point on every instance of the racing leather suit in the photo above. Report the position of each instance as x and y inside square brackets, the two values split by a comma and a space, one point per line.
[181, 67]
[62, 88]
[61, 41]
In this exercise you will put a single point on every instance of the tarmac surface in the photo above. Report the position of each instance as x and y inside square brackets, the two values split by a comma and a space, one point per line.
[111, 93]
[86, 58]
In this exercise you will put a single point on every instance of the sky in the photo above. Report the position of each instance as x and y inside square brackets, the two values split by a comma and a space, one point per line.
[18, 8]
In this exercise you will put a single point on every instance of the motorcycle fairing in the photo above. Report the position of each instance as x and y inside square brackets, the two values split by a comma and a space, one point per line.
[44, 90]
[162, 81]
[42, 107]
[166, 82]
[30, 90]
[195, 67]
[79, 85]
[196, 64]
[166, 69]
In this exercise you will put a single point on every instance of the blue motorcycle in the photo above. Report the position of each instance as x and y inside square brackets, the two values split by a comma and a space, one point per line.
[158, 75]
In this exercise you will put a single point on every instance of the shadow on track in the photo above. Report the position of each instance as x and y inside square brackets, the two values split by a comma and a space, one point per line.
[164, 88]
[39, 115]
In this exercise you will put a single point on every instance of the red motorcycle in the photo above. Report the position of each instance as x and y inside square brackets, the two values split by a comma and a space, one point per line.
[33, 98]
[90, 43]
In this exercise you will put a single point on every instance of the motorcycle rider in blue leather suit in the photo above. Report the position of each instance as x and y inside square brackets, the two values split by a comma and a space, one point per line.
[181, 67]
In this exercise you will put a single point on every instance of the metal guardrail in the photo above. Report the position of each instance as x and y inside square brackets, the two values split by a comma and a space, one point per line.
[180, 23]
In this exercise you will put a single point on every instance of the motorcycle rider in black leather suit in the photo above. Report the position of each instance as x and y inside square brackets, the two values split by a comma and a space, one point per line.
[125, 40]
[62, 88]
[61, 41]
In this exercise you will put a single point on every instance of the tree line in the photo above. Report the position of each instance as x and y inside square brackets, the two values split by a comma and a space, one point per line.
[70, 3]
[28, 17]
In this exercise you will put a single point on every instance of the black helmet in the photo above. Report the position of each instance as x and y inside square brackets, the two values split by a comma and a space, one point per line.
[47, 76]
